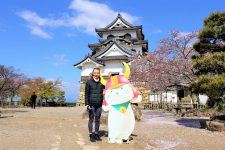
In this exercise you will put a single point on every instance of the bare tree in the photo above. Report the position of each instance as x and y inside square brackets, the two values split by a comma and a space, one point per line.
[10, 82]
[167, 66]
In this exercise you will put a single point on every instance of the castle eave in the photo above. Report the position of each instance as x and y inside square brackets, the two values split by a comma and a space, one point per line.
[88, 59]
[108, 58]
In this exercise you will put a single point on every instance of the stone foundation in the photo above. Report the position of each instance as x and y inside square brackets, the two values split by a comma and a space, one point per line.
[141, 87]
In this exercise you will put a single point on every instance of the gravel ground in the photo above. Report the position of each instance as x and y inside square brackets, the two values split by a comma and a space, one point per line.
[64, 129]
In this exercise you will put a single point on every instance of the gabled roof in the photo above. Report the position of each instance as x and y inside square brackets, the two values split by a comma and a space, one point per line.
[103, 51]
[117, 18]
[128, 26]
[88, 59]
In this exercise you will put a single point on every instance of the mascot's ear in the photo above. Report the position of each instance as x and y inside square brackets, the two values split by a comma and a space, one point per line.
[127, 70]
[102, 80]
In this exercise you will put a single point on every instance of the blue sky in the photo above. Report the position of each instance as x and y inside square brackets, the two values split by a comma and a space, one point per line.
[45, 38]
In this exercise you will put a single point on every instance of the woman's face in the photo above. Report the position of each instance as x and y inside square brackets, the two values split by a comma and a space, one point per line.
[96, 73]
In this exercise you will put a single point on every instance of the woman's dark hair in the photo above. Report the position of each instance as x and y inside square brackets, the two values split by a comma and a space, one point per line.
[96, 69]
[91, 74]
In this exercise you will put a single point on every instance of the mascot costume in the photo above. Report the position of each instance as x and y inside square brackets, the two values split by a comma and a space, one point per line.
[118, 96]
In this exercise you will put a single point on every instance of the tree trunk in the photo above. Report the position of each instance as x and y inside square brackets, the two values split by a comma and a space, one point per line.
[11, 99]
[1, 100]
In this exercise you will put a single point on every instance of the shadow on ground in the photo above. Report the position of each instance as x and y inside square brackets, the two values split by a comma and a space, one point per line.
[12, 111]
[189, 122]
[103, 133]
[2, 117]
[157, 114]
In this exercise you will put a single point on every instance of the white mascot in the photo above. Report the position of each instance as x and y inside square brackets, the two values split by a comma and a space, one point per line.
[118, 95]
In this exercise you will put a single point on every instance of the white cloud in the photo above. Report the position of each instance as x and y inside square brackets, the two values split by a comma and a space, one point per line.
[157, 31]
[56, 60]
[36, 30]
[93, 14]
[86, 15]
[59, 60]
[37, 23]
[71, 35]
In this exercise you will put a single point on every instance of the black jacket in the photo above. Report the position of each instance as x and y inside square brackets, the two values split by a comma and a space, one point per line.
[94, 93]
[33, 97]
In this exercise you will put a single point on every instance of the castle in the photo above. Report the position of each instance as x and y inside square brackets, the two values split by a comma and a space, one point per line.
[119, 41]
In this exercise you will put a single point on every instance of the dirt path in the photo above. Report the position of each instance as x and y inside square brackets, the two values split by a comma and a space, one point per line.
[64, 129]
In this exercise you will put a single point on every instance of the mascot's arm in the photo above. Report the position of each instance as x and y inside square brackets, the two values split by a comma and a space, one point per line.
[138, 99]
[137, 96]
[105, 106]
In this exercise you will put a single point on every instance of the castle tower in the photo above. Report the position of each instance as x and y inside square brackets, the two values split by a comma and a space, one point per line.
[119, 41]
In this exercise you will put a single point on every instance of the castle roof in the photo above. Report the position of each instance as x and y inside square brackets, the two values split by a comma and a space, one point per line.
[117, 18]
[133, 41]
[118, 47]
[122, 48]
[88, 59]
[120, 24]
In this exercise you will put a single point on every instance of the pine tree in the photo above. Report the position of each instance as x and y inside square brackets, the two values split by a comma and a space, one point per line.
[209, 62]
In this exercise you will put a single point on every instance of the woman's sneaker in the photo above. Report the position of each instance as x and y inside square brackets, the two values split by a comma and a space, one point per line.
[97, 137]
[92, 137]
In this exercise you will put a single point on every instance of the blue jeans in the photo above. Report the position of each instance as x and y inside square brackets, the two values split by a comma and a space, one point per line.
[94, 113]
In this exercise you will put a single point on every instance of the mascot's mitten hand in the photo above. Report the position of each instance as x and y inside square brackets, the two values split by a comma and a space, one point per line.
[138, 99]
[89, 107]
[106, 107]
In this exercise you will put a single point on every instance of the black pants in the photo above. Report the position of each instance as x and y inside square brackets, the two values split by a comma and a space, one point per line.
[94, 113]
[33, 104]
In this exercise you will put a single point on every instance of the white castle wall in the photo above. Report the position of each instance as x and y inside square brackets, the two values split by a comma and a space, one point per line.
[113, 66]
[110, 66]
[171, 97]
[87, 69]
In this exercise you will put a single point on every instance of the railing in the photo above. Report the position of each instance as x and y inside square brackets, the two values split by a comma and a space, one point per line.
[184, 106]
[151, 106]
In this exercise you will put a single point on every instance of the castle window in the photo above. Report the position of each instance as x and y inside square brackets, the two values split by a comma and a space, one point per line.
[110, 37]
[127, 36]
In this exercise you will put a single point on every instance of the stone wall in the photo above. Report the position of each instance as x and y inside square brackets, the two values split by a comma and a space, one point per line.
[82, 90]
[144, 93]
